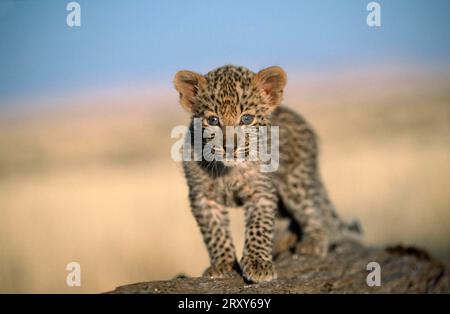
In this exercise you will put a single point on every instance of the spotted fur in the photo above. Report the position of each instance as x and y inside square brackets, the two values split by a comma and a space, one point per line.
[286, 209]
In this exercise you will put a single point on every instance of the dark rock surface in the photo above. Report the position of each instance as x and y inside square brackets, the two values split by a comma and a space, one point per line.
[403, 270]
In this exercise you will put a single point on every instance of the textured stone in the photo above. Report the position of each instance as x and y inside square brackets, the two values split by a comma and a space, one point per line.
[403, 270]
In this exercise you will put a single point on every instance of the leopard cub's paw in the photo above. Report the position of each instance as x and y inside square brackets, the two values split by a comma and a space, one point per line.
[220, 271]
[256, 270]
[313, 246]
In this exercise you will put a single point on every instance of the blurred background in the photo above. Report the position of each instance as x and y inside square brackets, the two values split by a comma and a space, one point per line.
[86, 114]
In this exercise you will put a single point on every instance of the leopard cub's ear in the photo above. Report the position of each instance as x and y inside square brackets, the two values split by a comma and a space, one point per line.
[271, 82]
[187, 83]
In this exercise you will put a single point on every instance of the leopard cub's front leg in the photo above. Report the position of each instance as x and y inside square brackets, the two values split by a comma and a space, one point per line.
[256, 262]
[212, 218]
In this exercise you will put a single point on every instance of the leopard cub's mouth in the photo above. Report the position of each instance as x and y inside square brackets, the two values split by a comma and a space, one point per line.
[232, 162]
[232, 158]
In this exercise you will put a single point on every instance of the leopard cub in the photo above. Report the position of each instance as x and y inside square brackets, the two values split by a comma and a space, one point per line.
[233, 96]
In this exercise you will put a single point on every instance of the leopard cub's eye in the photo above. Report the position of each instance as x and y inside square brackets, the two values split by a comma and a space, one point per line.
[247, 119]
[213, 120]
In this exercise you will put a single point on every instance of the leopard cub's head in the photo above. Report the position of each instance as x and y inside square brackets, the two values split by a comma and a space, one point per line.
[231, 96]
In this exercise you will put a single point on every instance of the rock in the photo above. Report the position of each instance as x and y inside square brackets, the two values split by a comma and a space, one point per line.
[403, 270]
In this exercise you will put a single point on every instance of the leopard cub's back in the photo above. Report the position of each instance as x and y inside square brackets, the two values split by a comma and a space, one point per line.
[297, 141]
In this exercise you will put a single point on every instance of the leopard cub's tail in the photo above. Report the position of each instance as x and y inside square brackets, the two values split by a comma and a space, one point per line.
[350, 231]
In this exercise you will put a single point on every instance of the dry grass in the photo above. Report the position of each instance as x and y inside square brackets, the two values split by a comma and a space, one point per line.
[98, 186]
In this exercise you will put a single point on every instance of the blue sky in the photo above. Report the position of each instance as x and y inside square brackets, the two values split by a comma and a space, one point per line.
[123, 41]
